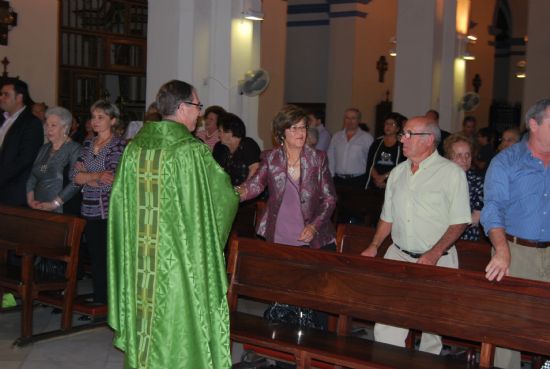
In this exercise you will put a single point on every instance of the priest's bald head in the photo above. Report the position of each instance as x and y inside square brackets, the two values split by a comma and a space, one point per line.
[178, 101]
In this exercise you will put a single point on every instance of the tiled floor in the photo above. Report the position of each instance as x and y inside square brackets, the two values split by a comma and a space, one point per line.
[88, 349]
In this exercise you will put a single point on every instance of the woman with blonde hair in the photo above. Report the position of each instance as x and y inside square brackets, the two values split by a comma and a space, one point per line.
[95, 172]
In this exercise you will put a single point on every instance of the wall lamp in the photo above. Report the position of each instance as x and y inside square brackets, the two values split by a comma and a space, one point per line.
[393, 49]
[520, 69]
[252, 10]
[462, 44]
[467, 56]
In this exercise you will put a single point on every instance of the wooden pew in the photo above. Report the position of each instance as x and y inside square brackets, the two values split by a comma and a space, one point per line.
[353, 239]
[513, 313]
[472, 255]
[30, 233]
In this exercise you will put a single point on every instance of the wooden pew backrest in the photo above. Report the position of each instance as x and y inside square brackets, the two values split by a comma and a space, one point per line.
[353, 239]
[459, 303]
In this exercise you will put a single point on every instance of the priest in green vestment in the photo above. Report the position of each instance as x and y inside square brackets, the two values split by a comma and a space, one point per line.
[171, 211]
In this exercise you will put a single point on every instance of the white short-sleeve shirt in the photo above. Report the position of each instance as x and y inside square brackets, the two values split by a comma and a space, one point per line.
[422, 206]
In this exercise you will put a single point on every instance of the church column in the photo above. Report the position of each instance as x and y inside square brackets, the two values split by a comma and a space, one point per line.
[273, 60]
[209, 44]
[430, 72]
[170, 45]
[537, 82]
[346, 60]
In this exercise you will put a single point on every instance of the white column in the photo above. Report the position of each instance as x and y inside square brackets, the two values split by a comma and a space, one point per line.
[346, 61]
[537, 83]
[208, 44]
[417, 64]
[429, 71]
[170, 32]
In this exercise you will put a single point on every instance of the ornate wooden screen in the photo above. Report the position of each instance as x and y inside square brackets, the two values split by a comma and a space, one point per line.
[103, 54]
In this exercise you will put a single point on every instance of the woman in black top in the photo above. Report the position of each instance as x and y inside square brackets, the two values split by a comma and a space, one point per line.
[237, 154]
[385, 152]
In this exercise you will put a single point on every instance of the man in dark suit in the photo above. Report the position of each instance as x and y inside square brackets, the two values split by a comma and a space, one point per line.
[21, 135]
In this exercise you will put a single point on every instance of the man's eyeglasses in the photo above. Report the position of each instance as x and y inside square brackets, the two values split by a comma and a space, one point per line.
[295, 129]
[198, 105]
[409, 134]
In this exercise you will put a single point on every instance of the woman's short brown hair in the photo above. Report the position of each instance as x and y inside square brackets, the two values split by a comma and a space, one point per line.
[215, 109]
[451, 140]
[110, 109]
[285, 118]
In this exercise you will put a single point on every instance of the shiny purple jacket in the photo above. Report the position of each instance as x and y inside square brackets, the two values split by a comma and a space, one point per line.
[317, 194]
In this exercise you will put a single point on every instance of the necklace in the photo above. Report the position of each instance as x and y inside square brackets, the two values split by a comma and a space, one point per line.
[98, 145]
[51, 153]
[291, 168]
[209, 136]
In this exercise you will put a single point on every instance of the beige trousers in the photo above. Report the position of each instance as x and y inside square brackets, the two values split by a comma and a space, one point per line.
[529, 263]
[396, 336]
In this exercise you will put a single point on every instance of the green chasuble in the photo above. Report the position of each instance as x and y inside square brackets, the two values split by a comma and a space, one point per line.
[171, 211]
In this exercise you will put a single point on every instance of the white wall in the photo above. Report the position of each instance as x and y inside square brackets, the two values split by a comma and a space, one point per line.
[33, 46]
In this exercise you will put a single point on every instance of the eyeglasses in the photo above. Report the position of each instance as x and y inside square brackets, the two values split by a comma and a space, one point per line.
[198, 105]
[409, 134]
[295, 129]
[462, 156]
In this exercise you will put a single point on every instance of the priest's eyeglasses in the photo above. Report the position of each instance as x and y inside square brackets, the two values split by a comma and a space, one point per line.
[409, 134]
[198, 105]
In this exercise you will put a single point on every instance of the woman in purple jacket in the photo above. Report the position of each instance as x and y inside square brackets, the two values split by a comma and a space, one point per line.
[301, 192]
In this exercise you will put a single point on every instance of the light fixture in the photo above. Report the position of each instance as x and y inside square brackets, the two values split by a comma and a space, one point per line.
[520, 69]
[472, 38]
[252, 10]
[467, 56]
[393, 49]
[462, 47]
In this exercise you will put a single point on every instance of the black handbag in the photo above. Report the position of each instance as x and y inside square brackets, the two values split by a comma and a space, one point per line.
[297, 316]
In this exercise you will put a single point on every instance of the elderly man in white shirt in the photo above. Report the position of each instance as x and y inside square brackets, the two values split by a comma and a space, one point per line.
[348, 152]
[426, 209]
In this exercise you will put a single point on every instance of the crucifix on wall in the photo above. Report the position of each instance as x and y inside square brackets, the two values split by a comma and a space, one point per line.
[5, 63]
[382, 67]
[8, 20]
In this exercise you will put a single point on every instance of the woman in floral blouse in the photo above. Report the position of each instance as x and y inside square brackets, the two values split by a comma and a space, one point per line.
[458, 148]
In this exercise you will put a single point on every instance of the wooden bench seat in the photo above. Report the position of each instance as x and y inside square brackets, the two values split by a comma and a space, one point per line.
[513, 313]
[347, 351]
[30, 233]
